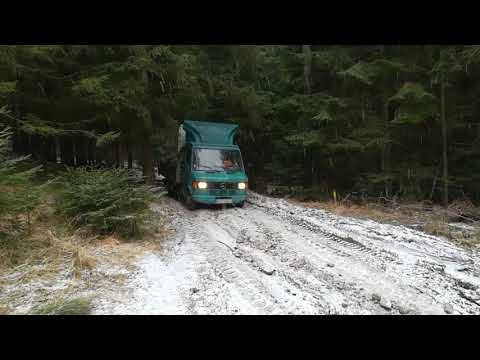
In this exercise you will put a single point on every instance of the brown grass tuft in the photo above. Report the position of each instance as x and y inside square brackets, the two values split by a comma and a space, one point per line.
[4, 310]
[63, 306]
[111, 241]
[81, 260]
[438, 228]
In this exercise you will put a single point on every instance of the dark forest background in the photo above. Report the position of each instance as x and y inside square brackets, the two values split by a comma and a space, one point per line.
[393, 121]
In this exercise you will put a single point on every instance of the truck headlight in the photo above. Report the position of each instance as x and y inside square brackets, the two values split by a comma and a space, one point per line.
[199, 185]
[242, 186]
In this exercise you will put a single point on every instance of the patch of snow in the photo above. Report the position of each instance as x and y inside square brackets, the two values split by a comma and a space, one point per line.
[273, 257]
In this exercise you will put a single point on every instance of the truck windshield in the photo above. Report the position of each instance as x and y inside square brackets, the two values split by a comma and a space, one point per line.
[217, 160]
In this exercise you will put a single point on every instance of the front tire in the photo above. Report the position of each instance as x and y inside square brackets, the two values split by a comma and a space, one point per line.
[241, 204]
[191, 205]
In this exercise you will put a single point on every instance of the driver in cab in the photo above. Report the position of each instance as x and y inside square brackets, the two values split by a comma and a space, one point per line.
[227, 162]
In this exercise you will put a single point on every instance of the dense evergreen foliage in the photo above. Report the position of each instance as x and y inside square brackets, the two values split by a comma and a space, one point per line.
[19, 199]
[105, 201]
[388, 121]
[18, 196]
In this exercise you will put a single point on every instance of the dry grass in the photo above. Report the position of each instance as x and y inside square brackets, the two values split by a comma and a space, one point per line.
[368, 211]
[51, 253]
[4, 310]
[50, 241]
[474, 240]
[82, 260]
[63, 306]
[438, 228]
[51, 250]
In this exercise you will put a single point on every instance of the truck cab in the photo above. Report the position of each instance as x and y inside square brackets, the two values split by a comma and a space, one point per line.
[210, 167]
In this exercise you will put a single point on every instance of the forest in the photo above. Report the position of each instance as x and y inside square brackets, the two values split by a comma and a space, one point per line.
[383, 121]
[363, 165]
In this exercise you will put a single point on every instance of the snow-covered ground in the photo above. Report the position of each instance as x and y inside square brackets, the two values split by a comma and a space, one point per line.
[272, 257]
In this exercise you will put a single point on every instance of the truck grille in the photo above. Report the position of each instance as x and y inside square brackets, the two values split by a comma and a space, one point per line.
[221, 186]
[225, 189]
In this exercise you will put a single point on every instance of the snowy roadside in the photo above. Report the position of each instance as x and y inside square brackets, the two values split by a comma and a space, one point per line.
[273, 257]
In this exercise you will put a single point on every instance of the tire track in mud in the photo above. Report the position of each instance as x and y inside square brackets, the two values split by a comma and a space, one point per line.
[354, 289]
[285, 284]
[327, 292]
[303, 298]
[275, 258]
[227, 267]
[331, 238]
[437, 284]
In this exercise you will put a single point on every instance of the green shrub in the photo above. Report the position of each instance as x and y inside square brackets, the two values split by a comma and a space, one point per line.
[104, 200]
[18, 194]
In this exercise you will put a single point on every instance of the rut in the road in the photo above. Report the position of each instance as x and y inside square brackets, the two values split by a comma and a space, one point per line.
[422, 262]
[303, 276]
[227, 267]
[272, 257]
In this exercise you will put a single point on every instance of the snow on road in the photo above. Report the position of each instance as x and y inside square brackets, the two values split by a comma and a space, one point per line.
[272, 257]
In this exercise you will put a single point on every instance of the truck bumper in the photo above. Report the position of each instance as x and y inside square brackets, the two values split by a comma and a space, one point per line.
[212, 199]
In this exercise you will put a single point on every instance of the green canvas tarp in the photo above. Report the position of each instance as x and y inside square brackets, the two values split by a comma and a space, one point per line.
[202, 132]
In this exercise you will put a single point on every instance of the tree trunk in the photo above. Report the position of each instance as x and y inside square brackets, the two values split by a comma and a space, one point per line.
[314, 172]
[129, 156]
[52, 150]
[307, 181]
[16, 142]
[109, 156]
[18, 138]
[36, 147]
[307, 69]
[148, 161]
[91, 151]
[74, 147]
[58, 151]
[117, 154]
[434, 184]
[67, 151]
[99, 156]
[444, 142]
[81, 151]
[20, 146]
[386, 150]
[44, 149]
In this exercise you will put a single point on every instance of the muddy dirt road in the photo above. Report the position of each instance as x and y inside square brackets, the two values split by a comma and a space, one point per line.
[272, 257]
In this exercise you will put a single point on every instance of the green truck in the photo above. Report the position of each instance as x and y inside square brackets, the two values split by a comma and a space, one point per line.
[209, 167]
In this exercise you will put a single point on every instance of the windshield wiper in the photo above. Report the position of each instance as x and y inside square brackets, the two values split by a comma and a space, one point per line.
[210, 168]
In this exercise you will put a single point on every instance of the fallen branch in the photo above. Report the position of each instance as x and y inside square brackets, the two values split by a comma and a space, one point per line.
[346, 197]
[228, 246]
